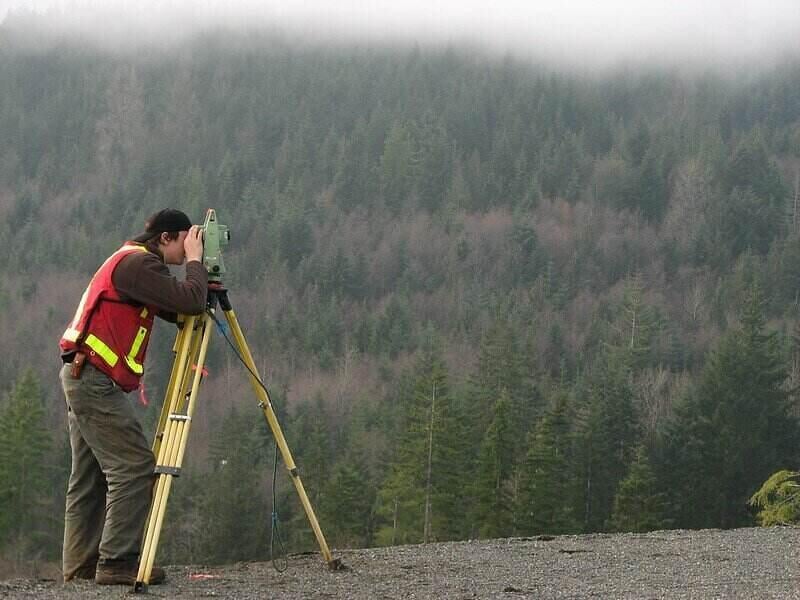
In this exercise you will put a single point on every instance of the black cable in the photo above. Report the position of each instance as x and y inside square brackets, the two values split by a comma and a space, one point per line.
[275, 532]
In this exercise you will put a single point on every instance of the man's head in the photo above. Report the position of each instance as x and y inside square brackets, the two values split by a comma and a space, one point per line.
[165, 231]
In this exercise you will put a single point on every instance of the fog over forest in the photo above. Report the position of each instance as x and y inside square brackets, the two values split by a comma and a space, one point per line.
[581, 33]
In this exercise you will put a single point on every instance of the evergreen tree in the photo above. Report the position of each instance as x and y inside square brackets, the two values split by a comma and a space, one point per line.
[24, 485]
[639, 506]
[750, 168]
[346, 506]
[524, 255]
[419, 500]
[503, 367]
[233, 509]
[636, 326]
[493, 485]
[183, 538]
[434, 168]
[291, 228]
[548, 483]
[748, 222]
[394, 327]
[313, 450]
[651, 191]
[397, 166]
[735, 429]
[192, 192]
[778, 499]
[607, 438]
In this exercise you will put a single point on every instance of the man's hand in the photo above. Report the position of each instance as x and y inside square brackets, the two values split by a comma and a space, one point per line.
[193, 244]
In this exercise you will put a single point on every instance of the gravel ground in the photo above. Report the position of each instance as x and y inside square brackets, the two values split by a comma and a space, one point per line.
[741, 563]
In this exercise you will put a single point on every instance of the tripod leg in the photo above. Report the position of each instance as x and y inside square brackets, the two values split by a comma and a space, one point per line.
[185, 342]
[177, 377]
[272, 421]
[173, 445]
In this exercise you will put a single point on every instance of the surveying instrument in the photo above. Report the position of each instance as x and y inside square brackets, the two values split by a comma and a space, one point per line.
[172, 431]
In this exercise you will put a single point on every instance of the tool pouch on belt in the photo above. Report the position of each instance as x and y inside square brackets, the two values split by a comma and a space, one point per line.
[77, 365]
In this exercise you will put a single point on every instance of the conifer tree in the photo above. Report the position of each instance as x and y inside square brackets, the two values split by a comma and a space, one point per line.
[24, 446]
[503, 367]
[750, 168]
[525, 261]
[548, 482]
[607, 438]
[313, 448]
[234, 509]
[346, 505]
[735, 430]
[636, 326]
[639, 504]
[419, 499]
[651, 192]
[493, 493]
[183, 538]
[434, 168]
[778, 500]
[397, 166]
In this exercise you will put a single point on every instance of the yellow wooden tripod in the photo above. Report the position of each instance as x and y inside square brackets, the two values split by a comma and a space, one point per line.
[172, 432]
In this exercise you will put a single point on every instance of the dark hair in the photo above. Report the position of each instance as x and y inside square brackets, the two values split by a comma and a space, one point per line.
[152, 242]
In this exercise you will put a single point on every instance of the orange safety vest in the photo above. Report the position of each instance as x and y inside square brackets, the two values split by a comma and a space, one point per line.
[112, 333]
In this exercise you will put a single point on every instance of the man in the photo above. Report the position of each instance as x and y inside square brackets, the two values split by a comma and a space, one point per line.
[103, 349]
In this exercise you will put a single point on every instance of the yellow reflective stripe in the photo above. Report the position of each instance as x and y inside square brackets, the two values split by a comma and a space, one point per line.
[134, 366]
[101, 349]
[143, 314]
[137, 342]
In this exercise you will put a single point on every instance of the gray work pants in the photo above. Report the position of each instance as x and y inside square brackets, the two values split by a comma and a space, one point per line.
[111, 483]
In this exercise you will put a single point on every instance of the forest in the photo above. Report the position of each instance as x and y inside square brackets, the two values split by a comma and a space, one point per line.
[490, 297]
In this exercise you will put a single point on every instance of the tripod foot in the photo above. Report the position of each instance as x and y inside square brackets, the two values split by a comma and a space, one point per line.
[337, 565]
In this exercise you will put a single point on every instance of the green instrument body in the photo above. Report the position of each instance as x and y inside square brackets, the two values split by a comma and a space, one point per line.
[215, 236]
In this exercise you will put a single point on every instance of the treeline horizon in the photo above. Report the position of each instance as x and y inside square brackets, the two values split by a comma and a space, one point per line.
[489, 298]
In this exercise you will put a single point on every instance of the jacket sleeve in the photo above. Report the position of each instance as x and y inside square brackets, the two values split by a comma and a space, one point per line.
[145, 279]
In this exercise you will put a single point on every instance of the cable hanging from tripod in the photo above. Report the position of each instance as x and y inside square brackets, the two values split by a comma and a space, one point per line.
[275, 532]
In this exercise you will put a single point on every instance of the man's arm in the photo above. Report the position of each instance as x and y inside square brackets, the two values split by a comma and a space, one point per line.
[145, 279]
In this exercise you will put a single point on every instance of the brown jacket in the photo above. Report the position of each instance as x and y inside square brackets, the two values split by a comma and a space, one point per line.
[143, 278]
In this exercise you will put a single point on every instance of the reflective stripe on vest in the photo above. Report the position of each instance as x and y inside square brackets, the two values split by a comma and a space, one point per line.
[71, 334]
[130, 359]
[107, 354]
[100, 348]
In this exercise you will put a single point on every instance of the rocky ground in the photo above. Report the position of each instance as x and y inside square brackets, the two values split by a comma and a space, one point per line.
[742, 563]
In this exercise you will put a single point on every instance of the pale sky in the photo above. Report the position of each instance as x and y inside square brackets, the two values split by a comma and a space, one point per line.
[577, 31]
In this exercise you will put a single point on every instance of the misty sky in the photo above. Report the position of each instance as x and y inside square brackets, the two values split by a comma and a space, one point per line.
[582, 32]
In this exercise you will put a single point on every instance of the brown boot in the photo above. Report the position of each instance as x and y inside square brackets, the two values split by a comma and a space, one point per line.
[125, 574]
[84, 572]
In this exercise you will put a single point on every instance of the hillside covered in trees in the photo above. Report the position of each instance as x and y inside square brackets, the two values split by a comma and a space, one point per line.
[489, 297]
